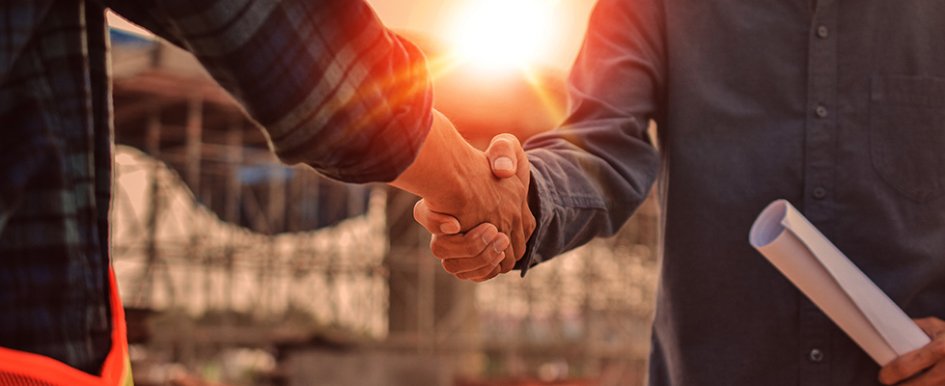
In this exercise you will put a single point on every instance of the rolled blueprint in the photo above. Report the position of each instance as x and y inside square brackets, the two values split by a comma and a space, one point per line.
[832, 282]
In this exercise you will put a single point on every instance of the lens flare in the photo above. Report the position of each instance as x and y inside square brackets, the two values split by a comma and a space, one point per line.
[503, 34]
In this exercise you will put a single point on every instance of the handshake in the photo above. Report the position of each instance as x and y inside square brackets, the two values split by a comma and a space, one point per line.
[475, 204]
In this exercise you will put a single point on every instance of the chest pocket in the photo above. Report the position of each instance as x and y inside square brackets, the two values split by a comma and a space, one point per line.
[907, 134]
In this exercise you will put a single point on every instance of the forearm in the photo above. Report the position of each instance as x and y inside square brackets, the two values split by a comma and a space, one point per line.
[330, 85]
[585, 183]
[594, 171]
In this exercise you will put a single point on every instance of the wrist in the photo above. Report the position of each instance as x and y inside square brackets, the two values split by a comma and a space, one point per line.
[442, 168]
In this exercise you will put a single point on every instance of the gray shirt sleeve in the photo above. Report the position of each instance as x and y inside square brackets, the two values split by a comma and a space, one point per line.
[591, 173]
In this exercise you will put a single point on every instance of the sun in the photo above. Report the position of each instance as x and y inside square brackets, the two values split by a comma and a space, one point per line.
[503, 34]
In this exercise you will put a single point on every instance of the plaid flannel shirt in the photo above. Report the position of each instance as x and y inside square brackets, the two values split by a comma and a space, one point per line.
[333, 88]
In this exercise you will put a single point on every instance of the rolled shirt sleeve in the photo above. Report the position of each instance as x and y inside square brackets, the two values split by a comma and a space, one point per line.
[329, 84]
[590, 174]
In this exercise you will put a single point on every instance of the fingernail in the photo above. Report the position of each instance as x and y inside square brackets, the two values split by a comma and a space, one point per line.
[485, 240]
[488, 235]
[449, 227]
[503, 163]
[501, 244]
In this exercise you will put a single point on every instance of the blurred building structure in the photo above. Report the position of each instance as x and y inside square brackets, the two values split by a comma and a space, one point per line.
[241, 270]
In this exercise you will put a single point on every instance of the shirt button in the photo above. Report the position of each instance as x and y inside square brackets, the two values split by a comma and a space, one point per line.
[816, 355]
[821, 111]
[823, 32]
[819, 193]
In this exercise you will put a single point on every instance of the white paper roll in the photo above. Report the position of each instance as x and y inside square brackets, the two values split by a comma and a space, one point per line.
[832, 282]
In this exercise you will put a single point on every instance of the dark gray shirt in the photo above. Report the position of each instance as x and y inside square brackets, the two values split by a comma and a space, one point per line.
[837, 106]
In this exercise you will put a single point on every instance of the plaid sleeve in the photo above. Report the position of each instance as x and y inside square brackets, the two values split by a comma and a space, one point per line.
[331, 86]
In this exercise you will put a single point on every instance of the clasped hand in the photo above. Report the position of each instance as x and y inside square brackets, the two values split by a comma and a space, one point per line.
[483, 232]
[922, 367]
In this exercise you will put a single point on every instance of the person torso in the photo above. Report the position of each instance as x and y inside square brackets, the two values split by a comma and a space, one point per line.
[55, 176]
[837, 106]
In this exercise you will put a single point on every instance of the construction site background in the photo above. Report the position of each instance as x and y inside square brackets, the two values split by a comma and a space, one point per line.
[239, 270]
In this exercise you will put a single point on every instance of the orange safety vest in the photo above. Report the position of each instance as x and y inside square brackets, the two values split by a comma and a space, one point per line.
[18, 368]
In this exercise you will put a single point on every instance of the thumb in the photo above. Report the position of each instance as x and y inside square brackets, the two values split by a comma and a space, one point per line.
[436, 223]
[505, 153]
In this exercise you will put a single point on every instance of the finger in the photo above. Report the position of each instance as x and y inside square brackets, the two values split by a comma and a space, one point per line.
[912, 363]
[507, 263]
[473, 267]
[487, 260]
[495, 272]
[435, 222]
[934, 377]
[931, 325]
[481, 273]
[470, 244]
[504, 153]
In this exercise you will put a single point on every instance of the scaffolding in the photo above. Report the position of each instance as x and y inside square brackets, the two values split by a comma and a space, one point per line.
[238, 250]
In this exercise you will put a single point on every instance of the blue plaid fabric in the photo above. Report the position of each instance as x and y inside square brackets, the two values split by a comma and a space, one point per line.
[331, 86]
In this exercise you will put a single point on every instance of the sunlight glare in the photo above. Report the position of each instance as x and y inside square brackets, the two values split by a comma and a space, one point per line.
[503, 34]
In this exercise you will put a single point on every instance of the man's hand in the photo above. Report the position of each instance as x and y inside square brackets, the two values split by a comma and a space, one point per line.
[469, 256]
[476, 255]
[930, 359]
[454, 178]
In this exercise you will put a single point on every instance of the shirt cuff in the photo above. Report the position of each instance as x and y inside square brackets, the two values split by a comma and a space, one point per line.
[540, 202]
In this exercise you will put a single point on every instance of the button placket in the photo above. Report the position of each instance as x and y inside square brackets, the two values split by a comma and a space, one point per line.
[815, 329]
[821, 123]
